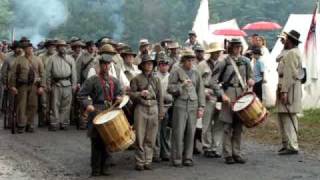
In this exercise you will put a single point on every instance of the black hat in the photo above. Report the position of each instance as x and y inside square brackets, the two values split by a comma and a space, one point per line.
[128, 51]
[235, 41]
[257, 51]
[49, 42]
[146, 58]
[90, 43]
[15, 45]
[294, 35]
[26, 45]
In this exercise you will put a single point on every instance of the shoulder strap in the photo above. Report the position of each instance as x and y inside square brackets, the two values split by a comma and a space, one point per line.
[236, 70]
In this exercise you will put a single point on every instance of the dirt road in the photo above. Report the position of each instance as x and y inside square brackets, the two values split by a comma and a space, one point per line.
[65, 155]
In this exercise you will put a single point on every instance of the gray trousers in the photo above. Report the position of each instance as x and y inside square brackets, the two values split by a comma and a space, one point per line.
[61, 104]
[288, 134]
[184, 121]
[232, 138]
[162, 147]
[146, 122]
[212, 128]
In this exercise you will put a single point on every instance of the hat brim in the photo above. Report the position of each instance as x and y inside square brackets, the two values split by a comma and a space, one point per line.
[128, 53]
[214, 50]
[292, 37]
[143, 62]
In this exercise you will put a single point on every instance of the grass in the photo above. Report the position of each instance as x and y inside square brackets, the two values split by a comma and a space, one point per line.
[309, 131]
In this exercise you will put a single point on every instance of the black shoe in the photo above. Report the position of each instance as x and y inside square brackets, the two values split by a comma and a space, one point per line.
[165, 159]
[29, 129]
[147, 167]
[51, 128]
[188, 163]
[239, 160]
[95, 173]
[156, 159]
[63, 128]
[178, 165]
[139, 168]
[229, 160]
[105, 172]
[289, 152]
[282, 149]
[20, 130]
[196, 151]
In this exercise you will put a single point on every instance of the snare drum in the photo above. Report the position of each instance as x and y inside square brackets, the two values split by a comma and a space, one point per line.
[114, 129]
[250, 110]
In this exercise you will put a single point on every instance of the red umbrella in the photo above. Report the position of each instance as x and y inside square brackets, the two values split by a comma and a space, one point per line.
[262, 25]
[230, 32]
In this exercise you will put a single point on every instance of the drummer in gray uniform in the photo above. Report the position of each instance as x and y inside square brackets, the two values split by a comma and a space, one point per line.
[186, 87]
[212, 129]
[229, 85]
[98, 93]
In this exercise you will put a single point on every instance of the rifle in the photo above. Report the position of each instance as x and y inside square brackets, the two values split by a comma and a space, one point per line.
[4, 108]
[14, 115]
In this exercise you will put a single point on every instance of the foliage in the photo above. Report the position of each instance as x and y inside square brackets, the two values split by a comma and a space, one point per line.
[158, 19]
[5, 15]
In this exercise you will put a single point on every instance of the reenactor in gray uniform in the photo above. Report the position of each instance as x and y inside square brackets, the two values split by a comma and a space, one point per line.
[44, 100]
[212, 128]
[144, 48]
[87, 60]
[192, 41]
[130, 69]
[187, 89]
[289, 93]
[174, 57]
[61, 81]
[148, 102]
[232, 86]
[27, 82]
[97, 94]
[162, 148]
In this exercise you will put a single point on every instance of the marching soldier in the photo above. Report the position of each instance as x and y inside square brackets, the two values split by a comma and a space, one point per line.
[212, 129]
[6, 68]
[26, 82]
[148, 101]
[234, 74]
[174, 57]
[162, 148]
[199, 51]
[87, 60]
[192, 41]
[186, 87]
[289, 93]
[144, 48]
[44, 110]
[98, 93]
[61, 81]
[130, 69]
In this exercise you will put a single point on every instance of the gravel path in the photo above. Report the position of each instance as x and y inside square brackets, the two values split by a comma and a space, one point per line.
[65, 155]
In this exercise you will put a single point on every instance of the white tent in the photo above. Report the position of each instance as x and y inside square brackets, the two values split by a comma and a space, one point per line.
[301, 23]
[231, 24]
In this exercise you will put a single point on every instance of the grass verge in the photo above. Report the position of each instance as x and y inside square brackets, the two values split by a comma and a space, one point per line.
[309, 131]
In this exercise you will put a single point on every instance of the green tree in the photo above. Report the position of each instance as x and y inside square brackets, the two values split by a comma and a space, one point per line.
[5, 15]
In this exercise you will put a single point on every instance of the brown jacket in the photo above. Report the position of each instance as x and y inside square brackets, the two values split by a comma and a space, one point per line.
[23, 67]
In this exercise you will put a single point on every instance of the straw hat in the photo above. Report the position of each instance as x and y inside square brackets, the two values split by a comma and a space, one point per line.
[174, 45]
[187, 53]
[107, 49]
[214, 47]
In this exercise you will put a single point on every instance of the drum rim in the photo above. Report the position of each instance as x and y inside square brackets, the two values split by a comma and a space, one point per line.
[244, 94]
[103, 113]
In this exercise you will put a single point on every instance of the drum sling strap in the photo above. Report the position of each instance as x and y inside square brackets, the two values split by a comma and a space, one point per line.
[236, 70]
